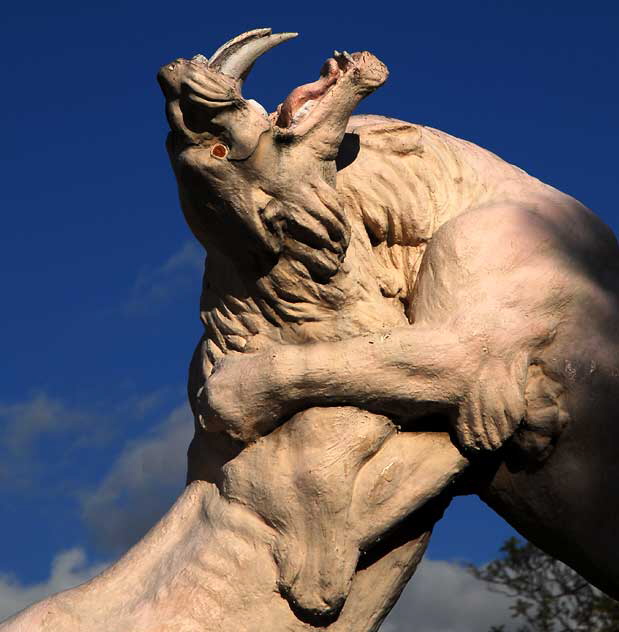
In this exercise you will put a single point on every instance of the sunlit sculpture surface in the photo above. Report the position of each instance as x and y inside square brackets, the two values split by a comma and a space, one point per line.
[392, 316]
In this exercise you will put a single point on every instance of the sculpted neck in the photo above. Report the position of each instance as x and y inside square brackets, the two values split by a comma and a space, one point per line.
[408, 180]
[287, 305]
[206, 566]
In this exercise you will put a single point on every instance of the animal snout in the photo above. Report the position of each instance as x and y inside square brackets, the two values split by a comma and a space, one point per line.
[314, 603]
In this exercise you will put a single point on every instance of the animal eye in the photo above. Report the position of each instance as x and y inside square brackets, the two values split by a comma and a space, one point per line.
[219, 151]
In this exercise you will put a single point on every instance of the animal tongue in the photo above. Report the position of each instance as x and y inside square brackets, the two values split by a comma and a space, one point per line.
[328, 76]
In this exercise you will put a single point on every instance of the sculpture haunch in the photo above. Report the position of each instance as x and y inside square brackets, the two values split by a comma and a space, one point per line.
[392, 316]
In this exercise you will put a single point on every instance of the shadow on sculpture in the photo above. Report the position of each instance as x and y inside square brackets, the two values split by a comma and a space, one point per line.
[392, 316]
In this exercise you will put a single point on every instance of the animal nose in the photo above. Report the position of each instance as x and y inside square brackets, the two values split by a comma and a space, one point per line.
[316, 607]
[167, 77]
[316, 582]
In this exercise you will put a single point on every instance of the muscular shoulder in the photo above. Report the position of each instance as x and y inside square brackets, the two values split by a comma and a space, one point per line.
[541, 230]
[499, 236]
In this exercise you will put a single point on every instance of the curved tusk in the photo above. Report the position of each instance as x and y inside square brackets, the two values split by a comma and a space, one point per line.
[239, 40]
[236, 57]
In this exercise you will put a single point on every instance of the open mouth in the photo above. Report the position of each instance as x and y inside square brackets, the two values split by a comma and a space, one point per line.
[302, 100]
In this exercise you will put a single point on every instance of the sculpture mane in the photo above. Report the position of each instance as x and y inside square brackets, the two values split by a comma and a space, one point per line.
[402, 183]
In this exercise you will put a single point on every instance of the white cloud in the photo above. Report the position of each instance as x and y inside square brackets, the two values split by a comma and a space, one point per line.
[26, 429]
[180, 273]
[141, 485]
[25, 422]
[138, 489]
[28, 426]
[443, 597]
[68, 569]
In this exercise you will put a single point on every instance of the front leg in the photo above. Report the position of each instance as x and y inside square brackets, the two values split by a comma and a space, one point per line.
[489, 293]
[405, 372]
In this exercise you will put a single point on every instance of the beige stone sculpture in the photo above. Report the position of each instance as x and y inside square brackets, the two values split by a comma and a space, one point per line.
[392, 316]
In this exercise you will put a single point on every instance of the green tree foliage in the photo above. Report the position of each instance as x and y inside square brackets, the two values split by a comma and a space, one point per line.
[548, 595]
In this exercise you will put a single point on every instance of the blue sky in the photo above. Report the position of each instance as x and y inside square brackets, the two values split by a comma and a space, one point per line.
[100, 277]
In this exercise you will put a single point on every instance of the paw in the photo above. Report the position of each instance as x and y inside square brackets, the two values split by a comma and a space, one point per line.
[493, 407]
[237, 398]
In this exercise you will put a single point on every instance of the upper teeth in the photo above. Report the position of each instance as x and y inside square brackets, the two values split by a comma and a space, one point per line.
[308, 105]
[346, 55]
